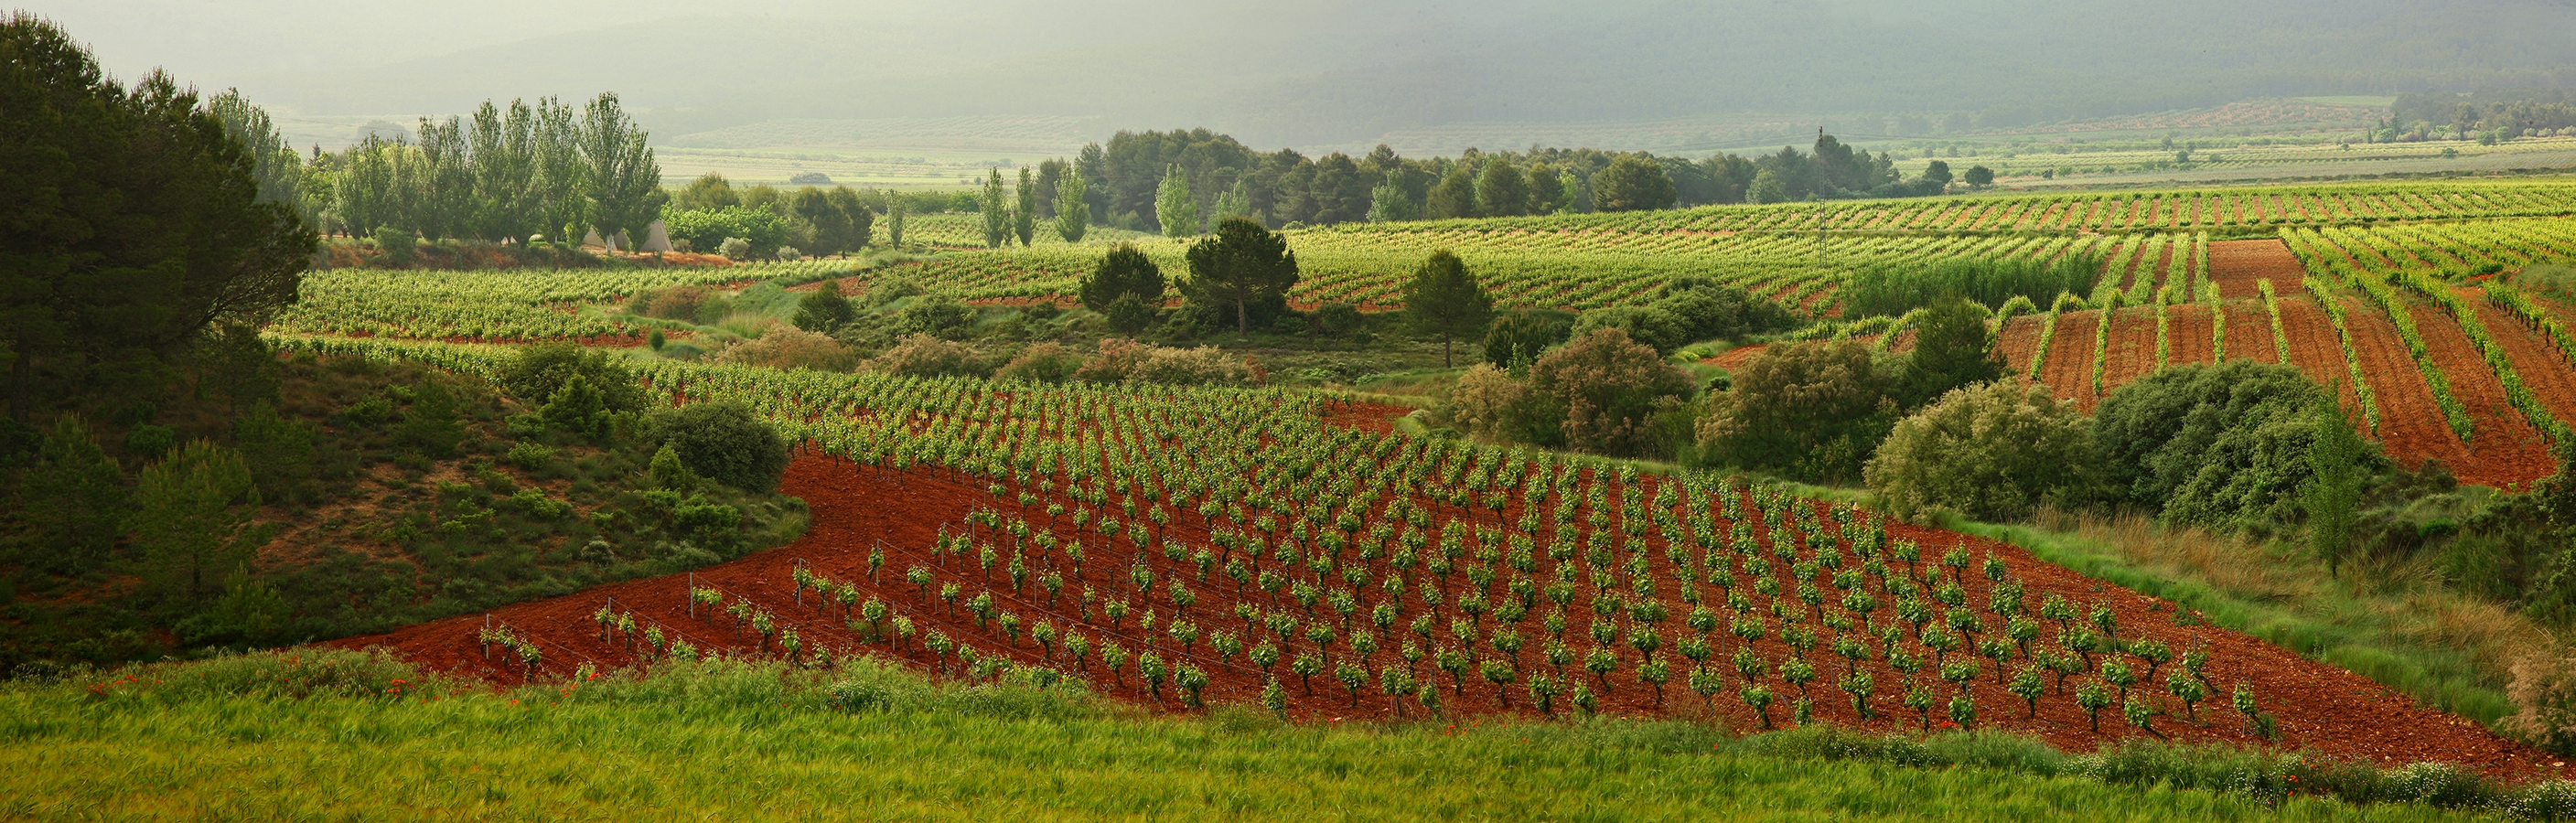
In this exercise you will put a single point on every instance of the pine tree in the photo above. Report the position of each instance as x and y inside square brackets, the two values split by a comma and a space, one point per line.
[74, 498]
[1024, 219]
[1444, 299]
[1173, 207]
[192, 519]
[1242, 265]
[1453, 197]
[997, 215]
[1072, 213]
[1501, 191]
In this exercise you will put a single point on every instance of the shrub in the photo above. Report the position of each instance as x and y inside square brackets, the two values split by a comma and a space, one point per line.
[1707, 310]
[1518, 338]
[735, 248]
[721, 440]
[937, 314]
[1118, 356]
[1202, 366]
[921, 355]
[1610, 389]
[1125, 271]
[1653, 326]
[1041, 363]
[824, 311]
[1493, 407]
[2223, 444]
[1816, 410]
[540, 371]
[1992, 452]
[892, 288]
[1337, 319]
[679, 302]
[789, 347]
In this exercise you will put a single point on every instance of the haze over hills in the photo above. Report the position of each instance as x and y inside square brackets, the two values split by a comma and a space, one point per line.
[1336, 72]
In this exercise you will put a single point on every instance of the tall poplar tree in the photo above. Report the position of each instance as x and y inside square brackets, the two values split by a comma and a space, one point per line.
[1173, 207]
[1024, 218]
[1072, 212]
[997, 215]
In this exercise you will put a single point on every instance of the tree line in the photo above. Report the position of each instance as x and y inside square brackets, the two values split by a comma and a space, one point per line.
[550, 170]
[1181, 182]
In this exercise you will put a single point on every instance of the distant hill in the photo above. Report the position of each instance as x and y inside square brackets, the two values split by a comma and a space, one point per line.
[1339, 72]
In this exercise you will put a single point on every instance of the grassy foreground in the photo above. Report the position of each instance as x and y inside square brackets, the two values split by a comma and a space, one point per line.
[331, 736]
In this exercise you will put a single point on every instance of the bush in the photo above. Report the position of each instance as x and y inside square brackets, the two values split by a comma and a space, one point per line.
[892, 288]
[1493, 407]
[1127, 361]
[789, 347]
[1992, 452]
[1815, 410]
[540, 371]
[1708, 311]
[676, 302]
[1337, 319]
[761, 231]
[921, 355]
[1518, 338]
[1653, 326]
[1610, 389]
[938, 315]
[1041, 363]
[722, 441]
[1202, 366]
[2222, 445]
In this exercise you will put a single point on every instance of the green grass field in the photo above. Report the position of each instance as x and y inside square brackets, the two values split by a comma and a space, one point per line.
[262, 738]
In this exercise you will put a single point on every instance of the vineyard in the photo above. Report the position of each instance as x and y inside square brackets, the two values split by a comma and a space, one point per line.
[1330, 571]
[2389, 291]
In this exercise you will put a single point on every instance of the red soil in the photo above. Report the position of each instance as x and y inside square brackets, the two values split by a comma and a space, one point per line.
[2249, 332]
[2235, 265]
[2314, 347]
[2504, 450]
[1735, 357]
[2320, 707]
[2544, 369]
[2187, 327]
[2016, 342]
[2069, 371]
[2411, 425]
[1374, 418]
[2133, 352]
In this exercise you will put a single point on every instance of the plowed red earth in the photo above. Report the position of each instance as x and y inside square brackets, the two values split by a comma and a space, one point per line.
[2017, 341]
[2249, 332]
[2411, 425]
[2069, 370]
[2235, 265]
[2320, 707]
[2504, 449]
[2543, 368]
[2314, 347]
[2133, 352]
[2187, 327]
